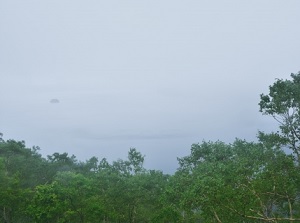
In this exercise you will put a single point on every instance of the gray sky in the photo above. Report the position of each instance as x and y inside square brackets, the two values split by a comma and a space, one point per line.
[154, 75]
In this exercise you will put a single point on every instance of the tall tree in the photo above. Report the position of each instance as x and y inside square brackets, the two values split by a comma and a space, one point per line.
[283, 104]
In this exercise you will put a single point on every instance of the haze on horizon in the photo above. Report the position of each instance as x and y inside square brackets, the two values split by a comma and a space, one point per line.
[156, 76]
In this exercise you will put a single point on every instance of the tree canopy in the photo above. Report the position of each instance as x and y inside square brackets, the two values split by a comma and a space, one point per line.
[283, 104]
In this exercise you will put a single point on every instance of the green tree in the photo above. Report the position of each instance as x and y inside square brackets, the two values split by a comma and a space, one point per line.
[128, 191]
[283, 104]
[46, 205]
[21, 170]
[239, 182]
[62, 162]
[67, 199]
[25, 162]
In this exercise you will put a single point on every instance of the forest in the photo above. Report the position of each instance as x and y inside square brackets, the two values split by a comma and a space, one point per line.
[217, 182]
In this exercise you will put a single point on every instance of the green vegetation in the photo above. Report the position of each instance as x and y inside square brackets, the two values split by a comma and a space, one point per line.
[218, 182]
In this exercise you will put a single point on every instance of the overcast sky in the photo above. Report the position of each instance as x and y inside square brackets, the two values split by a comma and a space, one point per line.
[154, 75]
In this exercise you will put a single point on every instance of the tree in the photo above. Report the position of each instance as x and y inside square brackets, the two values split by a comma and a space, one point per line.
[13, 197]
[1, 135]
[283, 104]
[135, 161]
[46, 205]
[67, 199]
[239, 182]
[132, 166]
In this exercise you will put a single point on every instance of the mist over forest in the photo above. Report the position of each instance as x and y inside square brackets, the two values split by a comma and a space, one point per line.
[149, 111]
[217, 182]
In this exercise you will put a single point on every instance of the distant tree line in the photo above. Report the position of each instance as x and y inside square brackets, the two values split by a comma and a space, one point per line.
[218, 182]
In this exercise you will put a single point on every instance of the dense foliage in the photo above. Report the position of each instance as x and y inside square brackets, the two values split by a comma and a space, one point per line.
[218, 182]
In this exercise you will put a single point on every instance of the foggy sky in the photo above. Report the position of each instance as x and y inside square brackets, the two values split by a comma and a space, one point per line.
[154, 75]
